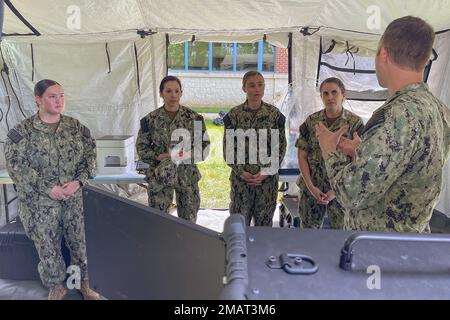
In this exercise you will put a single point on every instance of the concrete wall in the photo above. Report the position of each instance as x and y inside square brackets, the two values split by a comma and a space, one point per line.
[224, 88]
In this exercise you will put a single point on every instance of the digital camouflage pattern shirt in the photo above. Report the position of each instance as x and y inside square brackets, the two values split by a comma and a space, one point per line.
[396, 178]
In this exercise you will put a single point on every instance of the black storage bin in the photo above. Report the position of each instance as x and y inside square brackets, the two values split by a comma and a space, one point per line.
[18, 256]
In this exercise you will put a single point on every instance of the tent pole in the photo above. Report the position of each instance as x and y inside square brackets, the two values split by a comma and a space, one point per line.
[290, 58]
[2, 10]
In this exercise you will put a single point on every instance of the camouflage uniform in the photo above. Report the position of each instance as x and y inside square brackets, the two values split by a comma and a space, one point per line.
[37, 159]
[258, 202]
[395, 180]
[310, 211]
[154, 138]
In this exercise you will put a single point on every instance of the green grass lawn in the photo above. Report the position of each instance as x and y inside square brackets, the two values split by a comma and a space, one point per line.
[212, 109]
[214, 185]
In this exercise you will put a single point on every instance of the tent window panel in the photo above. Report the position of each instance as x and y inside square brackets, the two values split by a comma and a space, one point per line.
[176, 56]
[268, 64]
[198, 56]
[247, 56]
[357, 72]
[222, 56]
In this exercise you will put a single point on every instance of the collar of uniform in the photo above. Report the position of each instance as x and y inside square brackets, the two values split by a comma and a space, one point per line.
[344, 114]
[65, 123]
[41, 126]
[263, 107]
[406, 89]
[181, 111]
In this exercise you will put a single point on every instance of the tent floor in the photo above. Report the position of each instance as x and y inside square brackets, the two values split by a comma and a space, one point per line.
[30, 290]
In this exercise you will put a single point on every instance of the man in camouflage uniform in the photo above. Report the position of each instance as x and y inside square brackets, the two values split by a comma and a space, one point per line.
[254, 191]
[395, 178]
[311, 212]
[154, 138]
[49, 162]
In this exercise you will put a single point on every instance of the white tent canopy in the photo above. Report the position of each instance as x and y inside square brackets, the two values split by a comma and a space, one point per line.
[110, 55]
[218, 17]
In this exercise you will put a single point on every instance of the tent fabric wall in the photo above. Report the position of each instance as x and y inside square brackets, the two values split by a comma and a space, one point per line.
[104, 96]
[439, 82]
[60, 17]
[73, 51]
[305, 61]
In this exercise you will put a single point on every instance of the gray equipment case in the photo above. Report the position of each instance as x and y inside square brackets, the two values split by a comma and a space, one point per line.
[135, 252]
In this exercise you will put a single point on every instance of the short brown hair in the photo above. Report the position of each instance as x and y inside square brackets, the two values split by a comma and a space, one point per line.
[336, 81]
[249, 74]
[42, 86]
[167, 79]
[409, 41]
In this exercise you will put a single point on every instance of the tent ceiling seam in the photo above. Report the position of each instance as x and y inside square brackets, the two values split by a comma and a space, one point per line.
[21, 18]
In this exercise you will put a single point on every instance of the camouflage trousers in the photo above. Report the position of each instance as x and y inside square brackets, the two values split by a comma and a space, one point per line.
[187, 199]
[45, 222]
[312, 213]
[257, 202]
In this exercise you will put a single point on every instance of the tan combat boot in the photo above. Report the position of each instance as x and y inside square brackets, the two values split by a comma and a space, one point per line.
[88, 293]
[57, 292]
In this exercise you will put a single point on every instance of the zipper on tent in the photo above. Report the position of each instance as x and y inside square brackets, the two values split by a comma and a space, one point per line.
[137, 68]
[167, 53]
[349, 52]
[6, 71]
[107, 56]
[442, 31]
[290, 58]
[428, 67]
[320, 60]
[32, 62]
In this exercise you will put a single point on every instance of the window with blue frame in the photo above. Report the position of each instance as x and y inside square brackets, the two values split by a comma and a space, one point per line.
[247, 56]
[176, 56]
[198, 55]
[222, 56]
[268, 58]
[211, 56]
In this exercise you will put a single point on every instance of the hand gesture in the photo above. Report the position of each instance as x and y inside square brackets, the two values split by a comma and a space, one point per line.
[328, 140]
[348, 146]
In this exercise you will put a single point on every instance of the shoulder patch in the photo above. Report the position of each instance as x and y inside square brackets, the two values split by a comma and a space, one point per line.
[86, 132]
[14, 135]
[303, 130]
[145, 125]
[377, 119]
[227, 121]
[281, 121]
